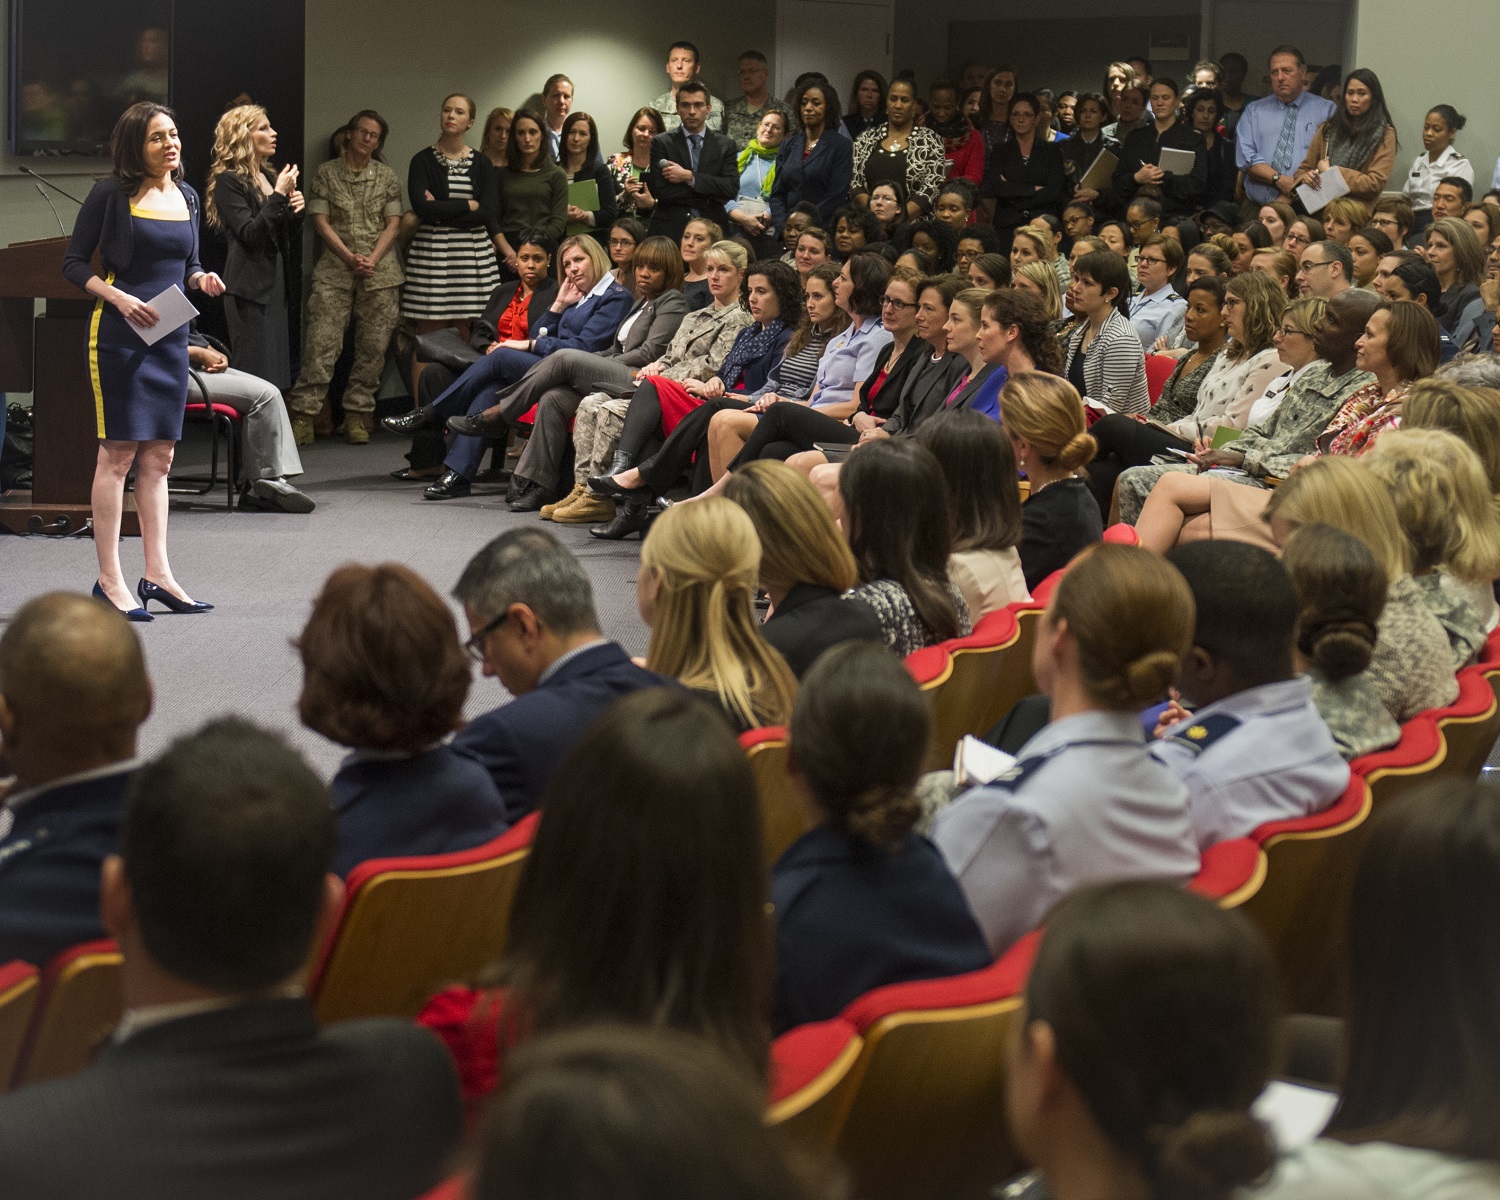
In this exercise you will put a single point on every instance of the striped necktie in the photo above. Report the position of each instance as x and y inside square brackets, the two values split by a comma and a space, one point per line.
[1286, 143]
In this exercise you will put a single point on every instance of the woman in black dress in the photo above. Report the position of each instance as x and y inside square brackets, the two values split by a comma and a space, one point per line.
[1023, 176]
[257, 215]
[143, 221]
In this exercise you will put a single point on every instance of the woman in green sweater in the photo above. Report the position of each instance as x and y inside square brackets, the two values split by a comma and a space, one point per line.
[533, 189]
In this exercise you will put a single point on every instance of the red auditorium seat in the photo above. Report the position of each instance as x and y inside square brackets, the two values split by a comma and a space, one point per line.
[783, 818]
[1159, 368]
[20, 983]
[78, 1006]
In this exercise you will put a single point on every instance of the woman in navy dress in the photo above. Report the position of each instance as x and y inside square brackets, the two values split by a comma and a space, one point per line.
[144, 223]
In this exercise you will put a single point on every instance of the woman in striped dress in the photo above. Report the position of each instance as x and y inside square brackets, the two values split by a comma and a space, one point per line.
[451, 267]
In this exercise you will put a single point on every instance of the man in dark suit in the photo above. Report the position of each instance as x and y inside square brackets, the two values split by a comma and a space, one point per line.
[531, 612]
[694, 171]
[218, 1081]
[73, 693]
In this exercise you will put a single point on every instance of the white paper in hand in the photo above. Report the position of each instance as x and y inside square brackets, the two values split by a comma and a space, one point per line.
[173, 311]
[976, 763]
[1295, 1114]
[1177, 162]
[1331, 187]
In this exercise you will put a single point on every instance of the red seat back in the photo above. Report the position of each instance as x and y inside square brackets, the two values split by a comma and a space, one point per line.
[1159, 368]
[78, 1006]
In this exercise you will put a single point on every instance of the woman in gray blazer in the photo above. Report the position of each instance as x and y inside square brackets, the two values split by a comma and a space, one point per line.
[558, 384]
[1104, 359]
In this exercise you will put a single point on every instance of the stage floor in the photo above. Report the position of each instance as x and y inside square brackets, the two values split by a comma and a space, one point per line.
[262, 570]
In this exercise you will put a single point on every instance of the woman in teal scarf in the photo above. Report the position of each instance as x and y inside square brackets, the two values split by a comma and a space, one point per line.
[815, 164]
[751, 208]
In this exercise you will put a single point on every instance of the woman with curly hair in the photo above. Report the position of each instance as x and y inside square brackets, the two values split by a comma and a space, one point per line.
[933, 238]
[256, 214]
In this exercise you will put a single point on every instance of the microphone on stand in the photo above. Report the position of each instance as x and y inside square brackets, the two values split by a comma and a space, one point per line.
[50, 184]
[43, 192]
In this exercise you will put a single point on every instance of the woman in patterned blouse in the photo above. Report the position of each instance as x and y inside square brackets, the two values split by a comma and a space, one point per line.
[1399, 346]
[900, 149]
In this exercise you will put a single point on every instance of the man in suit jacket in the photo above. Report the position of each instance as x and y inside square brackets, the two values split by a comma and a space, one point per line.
[73, 693]
[218, 1081]
[694, 171]
[531, 609]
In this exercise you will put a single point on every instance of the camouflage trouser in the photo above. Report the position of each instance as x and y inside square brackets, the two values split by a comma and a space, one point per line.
[596, 433]
[375, 311]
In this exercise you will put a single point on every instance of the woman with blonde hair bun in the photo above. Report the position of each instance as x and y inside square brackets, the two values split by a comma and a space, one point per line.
[256, 214]
[1433, 478]
[1412, 668]
[1086, 801]
[1043, 415]
[696, 590]
[806, 565]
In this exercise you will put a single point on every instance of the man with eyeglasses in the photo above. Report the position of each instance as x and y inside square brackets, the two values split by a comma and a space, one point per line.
[355, 207]
[1325, 270]
[533, 626]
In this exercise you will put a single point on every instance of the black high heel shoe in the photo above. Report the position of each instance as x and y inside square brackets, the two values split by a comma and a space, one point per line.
[631, 516]
[149, 591]
[130, 614]
[605, 485]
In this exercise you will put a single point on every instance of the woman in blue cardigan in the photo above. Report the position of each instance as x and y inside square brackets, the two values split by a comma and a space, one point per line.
[588, 309]
[143, 221]
[815, 164]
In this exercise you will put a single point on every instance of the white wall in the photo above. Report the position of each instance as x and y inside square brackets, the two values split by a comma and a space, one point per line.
[401, 59]
[1446, 58]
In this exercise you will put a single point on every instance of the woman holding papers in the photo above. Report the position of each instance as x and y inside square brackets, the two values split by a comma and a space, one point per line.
[143, 221]
[1359, 140]
[591, 189]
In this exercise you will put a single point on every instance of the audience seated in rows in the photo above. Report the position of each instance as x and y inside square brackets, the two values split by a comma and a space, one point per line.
[384, 674]
[1341, 594]
[533, 626]
[73, 695]
[218, 1080]
[1246, 738]
[806, 566]
[861, 900]
[643, 898]
[696, 591]
[1086, 799]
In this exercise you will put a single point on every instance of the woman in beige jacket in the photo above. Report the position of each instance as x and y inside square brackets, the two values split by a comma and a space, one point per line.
[1359, 140]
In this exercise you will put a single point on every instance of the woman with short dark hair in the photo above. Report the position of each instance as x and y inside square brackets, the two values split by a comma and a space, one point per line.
[1140, 154]
[383, 673]
[656, 803]
[1086, 144]
[1105, 361]
[816, 162]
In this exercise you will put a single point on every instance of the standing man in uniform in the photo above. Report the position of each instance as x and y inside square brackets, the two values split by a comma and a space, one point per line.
[355, 205]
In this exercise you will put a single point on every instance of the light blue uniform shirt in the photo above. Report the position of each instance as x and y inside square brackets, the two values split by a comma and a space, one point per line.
[1157, 315]
[1261, 755]
[1086, 802]
[849, 359]
[1259, 130]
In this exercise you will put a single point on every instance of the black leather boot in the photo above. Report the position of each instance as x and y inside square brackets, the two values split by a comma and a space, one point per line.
[413, 422]
[631, 516]
[450, 486]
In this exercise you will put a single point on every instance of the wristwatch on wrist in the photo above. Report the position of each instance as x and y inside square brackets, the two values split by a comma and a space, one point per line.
[1276, 177]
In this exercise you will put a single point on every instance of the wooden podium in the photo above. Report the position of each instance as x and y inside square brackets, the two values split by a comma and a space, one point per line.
[48, 356]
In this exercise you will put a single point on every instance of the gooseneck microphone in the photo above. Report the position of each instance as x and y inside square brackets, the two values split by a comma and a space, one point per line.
[50, 184]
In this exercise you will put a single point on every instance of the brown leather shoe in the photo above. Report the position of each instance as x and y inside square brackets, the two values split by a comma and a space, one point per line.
[589, 510]
[547, 510]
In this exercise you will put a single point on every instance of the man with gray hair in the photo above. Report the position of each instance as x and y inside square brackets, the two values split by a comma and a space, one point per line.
[531, 616]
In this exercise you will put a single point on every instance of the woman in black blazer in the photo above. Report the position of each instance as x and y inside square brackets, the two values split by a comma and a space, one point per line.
[256, 215]
[816, 164]
[1023, 176]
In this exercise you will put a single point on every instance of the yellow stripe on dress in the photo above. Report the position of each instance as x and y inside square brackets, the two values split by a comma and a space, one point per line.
[151, 215]
[94, 358]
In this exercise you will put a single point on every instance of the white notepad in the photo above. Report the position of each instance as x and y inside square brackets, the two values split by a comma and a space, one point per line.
[173, 311]
[1176, 162]
[1332, 186]
[976, 763]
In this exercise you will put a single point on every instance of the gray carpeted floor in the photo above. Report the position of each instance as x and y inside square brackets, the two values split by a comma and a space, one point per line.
[262, 571]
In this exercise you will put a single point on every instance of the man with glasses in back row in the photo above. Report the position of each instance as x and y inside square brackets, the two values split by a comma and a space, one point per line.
[1326, 270]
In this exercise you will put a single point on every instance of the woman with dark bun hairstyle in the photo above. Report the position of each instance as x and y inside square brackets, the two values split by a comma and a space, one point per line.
[861, 900]
[1341, 591]
[1085, 801]
[1148, 1031]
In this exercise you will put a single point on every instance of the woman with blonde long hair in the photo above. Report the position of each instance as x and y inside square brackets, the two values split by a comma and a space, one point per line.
[1041, 281]
[256, 214]
[696, 590]
[806, 566]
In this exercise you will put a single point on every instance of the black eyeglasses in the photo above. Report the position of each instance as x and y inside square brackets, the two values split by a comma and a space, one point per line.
[474, 647]
[896, 304]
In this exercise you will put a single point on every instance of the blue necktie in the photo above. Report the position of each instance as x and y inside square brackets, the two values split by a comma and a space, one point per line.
[1286, 143]
[695, 145]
